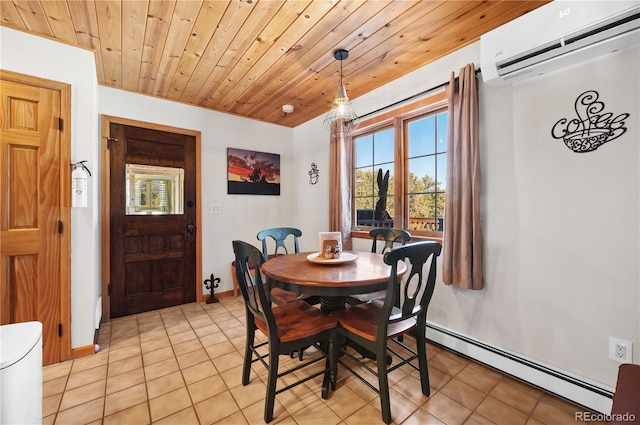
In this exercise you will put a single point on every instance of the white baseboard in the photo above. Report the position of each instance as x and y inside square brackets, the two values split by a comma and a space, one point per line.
[555, 381]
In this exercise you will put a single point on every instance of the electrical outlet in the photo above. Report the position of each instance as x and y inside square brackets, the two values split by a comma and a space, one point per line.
[620, 350]
[215, 209]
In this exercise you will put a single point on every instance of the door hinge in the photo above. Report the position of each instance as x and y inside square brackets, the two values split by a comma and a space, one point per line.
[60, 123]
[110, 140]
[59, 226]
[60, 329]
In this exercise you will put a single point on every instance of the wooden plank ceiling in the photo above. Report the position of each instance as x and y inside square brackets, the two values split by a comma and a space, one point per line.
[250, 57]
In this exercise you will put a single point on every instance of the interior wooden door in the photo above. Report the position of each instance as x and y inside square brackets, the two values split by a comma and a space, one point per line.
[152, 253]
[31, 216]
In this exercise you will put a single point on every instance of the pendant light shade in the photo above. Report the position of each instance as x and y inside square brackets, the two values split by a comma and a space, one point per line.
[341, 119]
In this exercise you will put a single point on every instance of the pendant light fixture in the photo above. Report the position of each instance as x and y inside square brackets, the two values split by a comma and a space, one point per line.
[341, 118]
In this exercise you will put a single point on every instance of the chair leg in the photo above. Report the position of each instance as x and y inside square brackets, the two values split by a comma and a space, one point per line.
[333, 359]
[422, 361]
[299, 353]
[271, 386]
[331, 365]
[326, 380]
[383, 385]
[248, 355]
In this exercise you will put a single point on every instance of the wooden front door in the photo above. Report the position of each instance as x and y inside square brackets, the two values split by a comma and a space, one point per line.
[34, 220]
[152, 251]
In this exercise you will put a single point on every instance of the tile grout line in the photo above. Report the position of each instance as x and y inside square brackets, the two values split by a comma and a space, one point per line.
[189, 316]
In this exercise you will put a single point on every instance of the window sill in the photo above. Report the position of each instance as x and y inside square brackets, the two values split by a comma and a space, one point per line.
[364, 234]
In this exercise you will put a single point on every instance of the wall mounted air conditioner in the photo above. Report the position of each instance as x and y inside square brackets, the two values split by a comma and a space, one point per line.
[558, 34]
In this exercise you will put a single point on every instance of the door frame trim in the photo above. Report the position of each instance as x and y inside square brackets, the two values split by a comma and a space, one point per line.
[106, 121]
[65, 197]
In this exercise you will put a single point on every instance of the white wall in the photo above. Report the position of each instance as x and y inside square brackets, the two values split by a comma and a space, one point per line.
[560, 225]
[561, 229]
[242, 216]
[47, 59]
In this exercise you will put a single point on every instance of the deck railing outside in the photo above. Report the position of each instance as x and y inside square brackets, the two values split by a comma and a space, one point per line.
[430, 224]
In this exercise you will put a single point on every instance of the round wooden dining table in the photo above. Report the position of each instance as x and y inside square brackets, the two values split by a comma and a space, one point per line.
[331, 282]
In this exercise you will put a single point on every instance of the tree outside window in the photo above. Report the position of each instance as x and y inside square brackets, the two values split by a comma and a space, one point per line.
[426, 163]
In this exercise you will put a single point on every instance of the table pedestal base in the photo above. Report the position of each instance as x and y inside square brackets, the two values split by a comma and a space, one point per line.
[329, 304]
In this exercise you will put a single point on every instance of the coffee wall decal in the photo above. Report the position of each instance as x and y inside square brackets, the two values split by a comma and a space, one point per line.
[592, 128]
[314, 174]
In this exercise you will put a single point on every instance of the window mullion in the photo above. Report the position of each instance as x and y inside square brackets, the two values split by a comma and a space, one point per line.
[400, 192]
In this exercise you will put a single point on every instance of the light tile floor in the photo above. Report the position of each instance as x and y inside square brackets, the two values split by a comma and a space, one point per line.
[182, 365]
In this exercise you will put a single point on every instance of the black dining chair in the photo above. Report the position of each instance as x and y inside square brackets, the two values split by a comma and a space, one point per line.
[277, 236]
[390, 236]
[377, 325]
[289, 327]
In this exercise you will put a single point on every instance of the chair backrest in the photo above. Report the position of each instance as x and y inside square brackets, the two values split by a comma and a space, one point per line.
[253, 288]
[390, 236]
[279, 236]
[415, 290]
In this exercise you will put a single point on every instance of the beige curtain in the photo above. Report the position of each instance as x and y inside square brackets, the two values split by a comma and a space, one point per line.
[462, 243]
[340, 154]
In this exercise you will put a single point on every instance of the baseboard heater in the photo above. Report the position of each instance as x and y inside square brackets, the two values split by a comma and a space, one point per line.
[586, 394]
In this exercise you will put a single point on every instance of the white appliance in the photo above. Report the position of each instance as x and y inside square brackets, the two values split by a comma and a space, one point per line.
[558, 34]
[21, 373]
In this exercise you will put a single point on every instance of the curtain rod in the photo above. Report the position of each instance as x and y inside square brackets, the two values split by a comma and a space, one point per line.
[422, 93]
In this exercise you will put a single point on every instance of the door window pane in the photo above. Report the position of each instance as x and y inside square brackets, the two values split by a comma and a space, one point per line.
[152, 190]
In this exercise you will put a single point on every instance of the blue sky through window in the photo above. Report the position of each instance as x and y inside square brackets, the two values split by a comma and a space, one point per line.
[427, 136]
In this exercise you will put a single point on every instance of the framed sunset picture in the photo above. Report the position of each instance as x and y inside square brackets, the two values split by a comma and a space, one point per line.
[252, 173]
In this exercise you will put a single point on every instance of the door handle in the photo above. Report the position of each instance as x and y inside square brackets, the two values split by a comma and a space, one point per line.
[190, 229]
